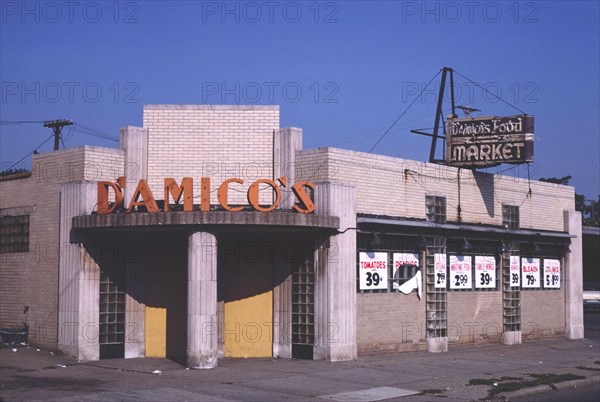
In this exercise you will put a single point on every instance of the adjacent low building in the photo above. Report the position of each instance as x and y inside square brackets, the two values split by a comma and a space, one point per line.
[211, 232]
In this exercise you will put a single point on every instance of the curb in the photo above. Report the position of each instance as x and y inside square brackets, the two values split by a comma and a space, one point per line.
[546, 387]
[574, 383]
[525, 391]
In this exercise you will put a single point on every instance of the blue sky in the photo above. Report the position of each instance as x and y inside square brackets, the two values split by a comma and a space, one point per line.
[342, 71]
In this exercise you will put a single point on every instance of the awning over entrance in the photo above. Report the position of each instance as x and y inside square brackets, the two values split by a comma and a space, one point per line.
[171, 262]
[213, 218]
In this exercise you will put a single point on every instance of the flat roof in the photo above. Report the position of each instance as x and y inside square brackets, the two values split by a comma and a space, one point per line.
[209, 107]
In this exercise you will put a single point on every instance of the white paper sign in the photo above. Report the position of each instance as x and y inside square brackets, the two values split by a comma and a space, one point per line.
[552, 274]
[440, 271]
[405, 258]
[530, 272]
[485, 272]
[373, 271]
[515, 271]
[460, 272]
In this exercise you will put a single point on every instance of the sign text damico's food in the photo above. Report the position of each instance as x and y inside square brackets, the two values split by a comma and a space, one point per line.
[186, 190]
[489, 141]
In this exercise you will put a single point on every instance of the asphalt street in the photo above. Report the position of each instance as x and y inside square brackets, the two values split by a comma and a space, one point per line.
[546, 369]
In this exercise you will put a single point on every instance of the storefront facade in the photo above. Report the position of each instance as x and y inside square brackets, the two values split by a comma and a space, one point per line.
[233, 241]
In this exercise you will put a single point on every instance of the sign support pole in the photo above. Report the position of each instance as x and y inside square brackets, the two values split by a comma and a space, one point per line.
[438, 113]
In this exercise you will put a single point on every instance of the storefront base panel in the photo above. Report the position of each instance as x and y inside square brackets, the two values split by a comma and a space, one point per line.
[376, 349]
[437, 345]
[533, 332]
[469, 339]
[512, 337]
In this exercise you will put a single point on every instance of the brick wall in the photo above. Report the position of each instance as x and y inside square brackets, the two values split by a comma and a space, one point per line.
[397, 187]
[219, 142]
[543, 313]
[389, 322]
[31, 278]
[474, 316]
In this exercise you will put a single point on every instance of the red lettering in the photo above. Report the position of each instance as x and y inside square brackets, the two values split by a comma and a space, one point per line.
[186, 189]
[224, 190]
[103, 204]
[307, 204]
[148, 202]
[253, 195]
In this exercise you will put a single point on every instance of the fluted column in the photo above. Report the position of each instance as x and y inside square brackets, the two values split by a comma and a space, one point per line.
[134, 141]
[282, 310]
[287, 141]
[202, 323]
[574, 277]
[78, 279]
[335, 276]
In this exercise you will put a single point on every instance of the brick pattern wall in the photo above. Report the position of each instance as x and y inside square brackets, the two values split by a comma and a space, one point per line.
[397, 187]
[31, 278]
[474, 317]
[389, 322]
[219, 142]
[543, 313]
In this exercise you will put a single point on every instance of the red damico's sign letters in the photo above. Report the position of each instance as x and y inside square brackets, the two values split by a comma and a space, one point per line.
[143, 197]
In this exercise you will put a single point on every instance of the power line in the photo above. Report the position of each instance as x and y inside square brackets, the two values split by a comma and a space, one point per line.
[9, 122]
[57, 126]
[491, 93]
[77, 126]
[375, 132]
[87, 130]
[35, 149]
[69, 134]
[404, 112]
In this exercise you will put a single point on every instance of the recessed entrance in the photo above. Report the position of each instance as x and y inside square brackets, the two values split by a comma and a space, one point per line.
[166, 297]
[245, 276]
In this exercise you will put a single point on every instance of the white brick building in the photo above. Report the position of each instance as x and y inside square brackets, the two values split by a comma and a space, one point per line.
[226, 279]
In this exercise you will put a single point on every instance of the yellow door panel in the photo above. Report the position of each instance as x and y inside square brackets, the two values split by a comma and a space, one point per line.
[247, 330]
[156, 332]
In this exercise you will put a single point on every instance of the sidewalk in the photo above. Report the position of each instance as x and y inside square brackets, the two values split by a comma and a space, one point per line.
[29, 374]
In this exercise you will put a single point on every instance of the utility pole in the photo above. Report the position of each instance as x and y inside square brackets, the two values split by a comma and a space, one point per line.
[56, 126]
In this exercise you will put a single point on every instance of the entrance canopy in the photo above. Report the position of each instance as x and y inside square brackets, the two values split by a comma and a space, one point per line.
[214, 218]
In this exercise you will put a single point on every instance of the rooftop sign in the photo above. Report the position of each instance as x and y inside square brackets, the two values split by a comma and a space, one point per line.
[489, 141]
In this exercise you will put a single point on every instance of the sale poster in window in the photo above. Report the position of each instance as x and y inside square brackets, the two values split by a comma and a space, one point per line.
[530, 272]
[485, 272]
[552, 274]
[460, 272]
[404, 258]
[373, 271]
[440, 271]
[515, 271]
